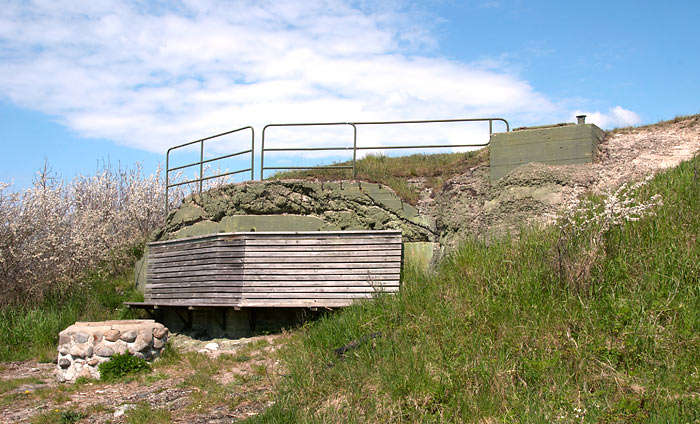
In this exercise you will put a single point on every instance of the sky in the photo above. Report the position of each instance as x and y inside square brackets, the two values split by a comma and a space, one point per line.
[87, 83]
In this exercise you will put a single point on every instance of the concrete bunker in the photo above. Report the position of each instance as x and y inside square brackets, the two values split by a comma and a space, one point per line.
[558, 144]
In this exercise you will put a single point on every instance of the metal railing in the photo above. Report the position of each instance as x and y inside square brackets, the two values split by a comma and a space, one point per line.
[355, 148]
[201, 163]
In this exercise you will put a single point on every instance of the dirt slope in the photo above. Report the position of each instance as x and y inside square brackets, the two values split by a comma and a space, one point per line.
[470, 204]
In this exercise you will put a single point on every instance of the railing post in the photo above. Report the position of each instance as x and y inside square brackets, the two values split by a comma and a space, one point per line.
[354, 150]
[167, 181]
[490, 127]
[201, 165]
[252, 153]
[262, 153]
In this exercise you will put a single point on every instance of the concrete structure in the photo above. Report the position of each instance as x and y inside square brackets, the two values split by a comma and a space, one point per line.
[561, 144]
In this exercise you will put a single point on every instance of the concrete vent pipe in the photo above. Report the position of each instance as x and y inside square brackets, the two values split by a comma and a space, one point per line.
[581, 119]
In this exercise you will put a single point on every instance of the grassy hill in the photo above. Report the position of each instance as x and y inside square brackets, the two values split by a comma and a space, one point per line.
[434, 169]
[594, 322]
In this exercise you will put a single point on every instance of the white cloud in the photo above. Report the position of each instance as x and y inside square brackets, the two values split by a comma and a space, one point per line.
[615, 117]
[151, 75]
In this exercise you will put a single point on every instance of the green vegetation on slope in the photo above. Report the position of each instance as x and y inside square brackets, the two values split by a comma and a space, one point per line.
[394, 171]
[499, 334]
[32, 331]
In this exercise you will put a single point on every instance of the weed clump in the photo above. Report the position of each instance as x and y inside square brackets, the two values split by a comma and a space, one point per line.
[121, 366]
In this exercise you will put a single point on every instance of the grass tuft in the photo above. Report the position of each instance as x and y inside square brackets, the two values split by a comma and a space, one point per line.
[395, 171]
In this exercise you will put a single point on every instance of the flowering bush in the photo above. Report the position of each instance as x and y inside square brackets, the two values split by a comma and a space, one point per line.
[584, 224]
[52, 231]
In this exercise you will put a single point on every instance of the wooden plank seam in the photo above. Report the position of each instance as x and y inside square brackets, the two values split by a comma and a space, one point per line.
[325, 269]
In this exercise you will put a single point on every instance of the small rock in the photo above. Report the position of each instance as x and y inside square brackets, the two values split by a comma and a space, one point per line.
[64, 363]
[121, 410]
[63, 339]
[158, 343]
[64, 349]
[93, 362]
[212, 346]
[84, 373]
[159, 333]
[69, 375]
[146, 335]
[78, 351]
[122, 348]
[138, 346]
[112, 335]
[129, 336]
[80, 337]
[104, 350]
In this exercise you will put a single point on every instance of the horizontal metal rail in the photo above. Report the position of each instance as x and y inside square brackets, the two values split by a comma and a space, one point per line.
[201, 162]
[354, 146]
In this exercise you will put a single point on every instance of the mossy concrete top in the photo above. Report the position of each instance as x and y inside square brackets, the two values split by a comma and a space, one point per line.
[296, 205]
[556, 145]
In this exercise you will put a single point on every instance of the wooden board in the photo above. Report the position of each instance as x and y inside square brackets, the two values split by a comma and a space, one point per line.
[318, 269]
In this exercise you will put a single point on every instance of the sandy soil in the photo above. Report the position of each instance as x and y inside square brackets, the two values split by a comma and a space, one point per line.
[471, 205]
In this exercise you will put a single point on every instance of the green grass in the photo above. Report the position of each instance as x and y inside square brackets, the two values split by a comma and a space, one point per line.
[32, 332]
[122, 366]
[394, 171]
[11, 384]
[494, 335]
[59, 417]
[143, 413]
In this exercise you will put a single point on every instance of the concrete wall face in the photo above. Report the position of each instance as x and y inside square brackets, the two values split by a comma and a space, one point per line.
[563, 145]
[296, 206]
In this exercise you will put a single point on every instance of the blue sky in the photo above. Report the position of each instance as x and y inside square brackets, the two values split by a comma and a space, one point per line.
[83, 83]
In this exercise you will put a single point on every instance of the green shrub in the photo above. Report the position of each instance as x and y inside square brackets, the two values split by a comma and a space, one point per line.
[122, 365]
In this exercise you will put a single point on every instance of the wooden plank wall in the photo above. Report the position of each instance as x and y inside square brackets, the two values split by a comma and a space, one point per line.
[280, 269]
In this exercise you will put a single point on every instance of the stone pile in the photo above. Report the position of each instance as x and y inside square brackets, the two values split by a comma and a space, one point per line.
[85, 345]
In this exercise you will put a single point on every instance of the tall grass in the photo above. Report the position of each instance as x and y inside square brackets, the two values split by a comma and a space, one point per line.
[497, 335]
[395, 171]
[31, 331]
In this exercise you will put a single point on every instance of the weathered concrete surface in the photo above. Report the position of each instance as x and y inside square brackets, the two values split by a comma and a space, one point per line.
[565, 144]
[471, 205]
[296, 206]
[421, 254]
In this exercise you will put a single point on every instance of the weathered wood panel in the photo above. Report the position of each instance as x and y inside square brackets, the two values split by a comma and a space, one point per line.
[304, 269]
